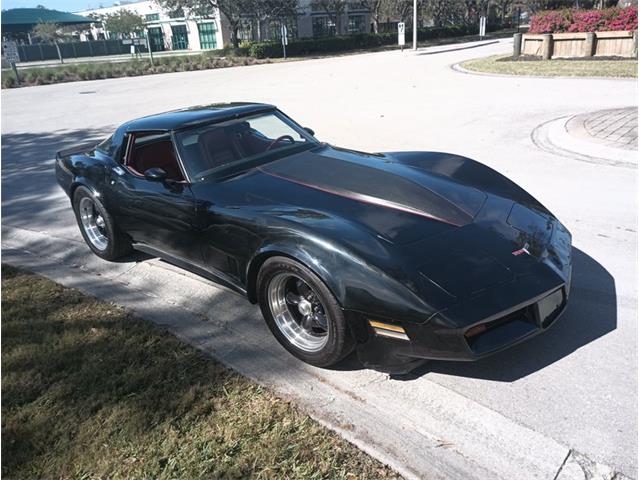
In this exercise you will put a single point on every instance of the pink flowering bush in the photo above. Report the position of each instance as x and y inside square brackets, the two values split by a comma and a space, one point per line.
[609, 19]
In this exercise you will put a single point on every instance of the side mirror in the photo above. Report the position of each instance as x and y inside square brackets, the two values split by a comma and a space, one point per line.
[309, 131]
[155, 175]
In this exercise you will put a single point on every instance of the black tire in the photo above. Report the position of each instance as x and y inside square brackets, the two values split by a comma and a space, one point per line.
[117, 243]
[339, 342]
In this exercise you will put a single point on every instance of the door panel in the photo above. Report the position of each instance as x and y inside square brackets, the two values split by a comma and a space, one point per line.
[159, 214]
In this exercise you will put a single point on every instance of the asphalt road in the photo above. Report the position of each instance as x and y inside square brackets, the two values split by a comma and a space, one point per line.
[578, 383]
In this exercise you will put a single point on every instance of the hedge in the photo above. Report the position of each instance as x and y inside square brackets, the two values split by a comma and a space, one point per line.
[133, 68]
[310, 46]
[571, 20]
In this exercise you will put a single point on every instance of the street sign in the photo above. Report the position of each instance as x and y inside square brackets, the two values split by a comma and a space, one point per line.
[10, 52]
[401, 34]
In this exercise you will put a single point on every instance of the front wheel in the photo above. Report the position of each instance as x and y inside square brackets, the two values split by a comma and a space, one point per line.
[302, 313]
[97, 227]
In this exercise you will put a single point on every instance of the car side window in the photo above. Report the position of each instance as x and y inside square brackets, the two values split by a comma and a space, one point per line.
[153, 150]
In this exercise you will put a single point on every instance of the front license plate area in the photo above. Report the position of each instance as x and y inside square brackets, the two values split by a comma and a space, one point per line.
[549, 307]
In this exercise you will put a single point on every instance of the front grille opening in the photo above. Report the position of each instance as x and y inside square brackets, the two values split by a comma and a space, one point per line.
[475, 334]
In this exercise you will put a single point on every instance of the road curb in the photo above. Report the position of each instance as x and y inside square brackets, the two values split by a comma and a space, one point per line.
[437, 433]
[552, 137]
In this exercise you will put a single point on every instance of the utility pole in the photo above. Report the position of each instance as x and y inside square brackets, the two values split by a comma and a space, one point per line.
[415, 24]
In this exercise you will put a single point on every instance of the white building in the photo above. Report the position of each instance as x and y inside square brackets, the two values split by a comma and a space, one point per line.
[179, 30]
[166, 30]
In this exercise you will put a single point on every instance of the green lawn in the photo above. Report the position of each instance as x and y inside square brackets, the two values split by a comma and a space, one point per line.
[554, 68]
[90, 392]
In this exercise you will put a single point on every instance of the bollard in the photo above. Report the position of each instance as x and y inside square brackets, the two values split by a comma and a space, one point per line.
[547, 46]
[517, 44]
[590, 44]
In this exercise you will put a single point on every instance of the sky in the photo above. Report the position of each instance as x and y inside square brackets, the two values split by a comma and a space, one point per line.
[62, 5]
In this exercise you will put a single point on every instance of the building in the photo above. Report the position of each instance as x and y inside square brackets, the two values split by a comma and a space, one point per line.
[180, 30]
[310, 21]
[166, 30]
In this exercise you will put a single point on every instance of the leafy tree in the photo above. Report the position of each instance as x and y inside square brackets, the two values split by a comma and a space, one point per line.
[49, 32]
[234, 10]
[264, 10]
[123, 23]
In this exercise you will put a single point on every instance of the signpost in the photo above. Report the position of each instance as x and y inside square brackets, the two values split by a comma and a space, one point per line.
[285, 40]
[135, 42]
[401, 35]
[11, 55]
[415, 24]
[483, 26]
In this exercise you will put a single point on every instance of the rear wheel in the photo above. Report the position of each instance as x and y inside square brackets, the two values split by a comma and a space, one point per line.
[97, 227]
[302, 313]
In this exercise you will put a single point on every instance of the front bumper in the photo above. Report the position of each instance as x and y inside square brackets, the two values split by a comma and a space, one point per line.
[471, 330]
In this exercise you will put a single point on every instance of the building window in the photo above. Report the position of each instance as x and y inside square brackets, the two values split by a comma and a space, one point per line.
[179, 38]
[156, 39]
[275, 28]
[207, 33]
[324, 27]
[356, 24]
[152, 17]
[177, 13]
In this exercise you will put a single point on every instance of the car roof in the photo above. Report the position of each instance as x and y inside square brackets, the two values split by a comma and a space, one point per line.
[193, 116]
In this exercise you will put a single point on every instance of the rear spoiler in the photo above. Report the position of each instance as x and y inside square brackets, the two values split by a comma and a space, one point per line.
[83, 148]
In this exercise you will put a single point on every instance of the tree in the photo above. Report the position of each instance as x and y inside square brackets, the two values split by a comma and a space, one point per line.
[123, 22]
[444, 12]
[265, 10]
[375, 8]
[234, 11]
[49, 32]
[334, 10]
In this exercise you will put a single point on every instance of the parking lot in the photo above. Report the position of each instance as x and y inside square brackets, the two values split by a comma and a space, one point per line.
[575, 385]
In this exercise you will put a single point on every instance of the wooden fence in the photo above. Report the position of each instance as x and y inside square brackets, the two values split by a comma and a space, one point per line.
[566, 45]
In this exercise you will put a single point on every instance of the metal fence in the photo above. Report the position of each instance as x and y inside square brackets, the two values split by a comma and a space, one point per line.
[95, 48]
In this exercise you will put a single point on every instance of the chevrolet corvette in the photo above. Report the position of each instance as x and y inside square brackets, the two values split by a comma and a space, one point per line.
[400, 256]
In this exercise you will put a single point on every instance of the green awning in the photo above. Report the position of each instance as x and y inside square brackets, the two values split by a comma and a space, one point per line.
[24, 19]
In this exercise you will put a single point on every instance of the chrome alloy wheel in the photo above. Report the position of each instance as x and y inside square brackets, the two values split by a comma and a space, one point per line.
[298, 312]
[93, 224]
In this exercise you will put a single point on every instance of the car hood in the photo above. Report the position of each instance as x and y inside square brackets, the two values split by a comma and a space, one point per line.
[399, 202]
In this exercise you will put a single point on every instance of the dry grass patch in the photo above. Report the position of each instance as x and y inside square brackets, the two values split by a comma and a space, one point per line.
[90, 392]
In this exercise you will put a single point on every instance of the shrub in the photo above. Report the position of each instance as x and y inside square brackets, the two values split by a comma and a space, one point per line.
[8, 80]
[311, 46]
[556, 21]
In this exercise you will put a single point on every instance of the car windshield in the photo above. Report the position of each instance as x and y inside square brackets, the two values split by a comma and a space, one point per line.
[241, 143]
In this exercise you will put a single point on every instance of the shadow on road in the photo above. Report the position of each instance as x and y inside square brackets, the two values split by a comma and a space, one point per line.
[30, 193]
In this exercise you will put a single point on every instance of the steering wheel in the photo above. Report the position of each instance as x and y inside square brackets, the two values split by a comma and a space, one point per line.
[279, 139]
